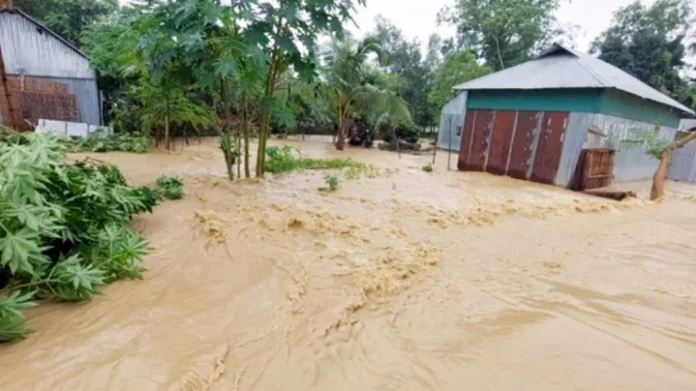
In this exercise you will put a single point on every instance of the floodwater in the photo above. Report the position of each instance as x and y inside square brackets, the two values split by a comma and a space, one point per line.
[400, 280]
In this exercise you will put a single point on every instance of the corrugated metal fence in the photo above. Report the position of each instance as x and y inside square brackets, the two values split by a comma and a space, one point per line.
[451, 122]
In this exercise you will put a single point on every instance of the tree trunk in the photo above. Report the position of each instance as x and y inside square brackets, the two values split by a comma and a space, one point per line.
[167, 144]
[660, 177]
[245, 124]
[341, 138]
[266, 116]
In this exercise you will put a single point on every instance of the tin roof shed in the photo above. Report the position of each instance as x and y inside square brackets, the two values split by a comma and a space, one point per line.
[562, 68]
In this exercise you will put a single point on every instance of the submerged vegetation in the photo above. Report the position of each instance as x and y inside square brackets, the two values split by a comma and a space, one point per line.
[102, 142]
[63, 230]
[285, 159]
[171, 188]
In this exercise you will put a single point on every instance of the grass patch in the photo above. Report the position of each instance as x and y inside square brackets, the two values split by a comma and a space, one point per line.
[428, 168]
[282, 159]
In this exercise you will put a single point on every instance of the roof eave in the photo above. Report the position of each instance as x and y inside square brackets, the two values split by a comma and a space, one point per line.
[42, 26]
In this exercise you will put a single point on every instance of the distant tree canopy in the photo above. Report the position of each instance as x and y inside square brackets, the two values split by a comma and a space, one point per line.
[68, 18]
[457, 67]
[504, 33]
[651, 44]
[403, 59]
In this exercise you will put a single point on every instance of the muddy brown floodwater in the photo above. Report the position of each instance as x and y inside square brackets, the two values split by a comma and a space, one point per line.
[400, 280]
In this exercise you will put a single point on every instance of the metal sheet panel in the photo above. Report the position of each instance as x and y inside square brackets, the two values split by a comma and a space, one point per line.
[32, 51]
[500, 142]
[465, 147]
[480, 140]
[451, 123]
[573, 141]
[563, 67]
[548, 153]
[631, 163]
[523, 144]
[683, 167]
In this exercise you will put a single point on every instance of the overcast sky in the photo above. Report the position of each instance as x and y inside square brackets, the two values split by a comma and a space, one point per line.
[416, 18]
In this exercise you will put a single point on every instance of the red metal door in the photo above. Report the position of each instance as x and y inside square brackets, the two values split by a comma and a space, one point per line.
[467, 131]
[548, 153]
[500, 141]
[521, 153]
[479, 141]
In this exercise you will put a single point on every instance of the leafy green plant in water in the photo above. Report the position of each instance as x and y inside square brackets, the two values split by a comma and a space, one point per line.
[102, 142]
[62, 227]
[282, 159]
[230, 151]
[428, 168]
[331, 182]
[171, 188]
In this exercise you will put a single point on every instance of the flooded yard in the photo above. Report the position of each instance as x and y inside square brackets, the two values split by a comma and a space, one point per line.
[400, 280]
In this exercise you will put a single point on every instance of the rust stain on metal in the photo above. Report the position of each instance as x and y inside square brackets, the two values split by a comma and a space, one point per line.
[467, 131]
[479, 144]
[500, 142]
[522, 144]
[548, 154]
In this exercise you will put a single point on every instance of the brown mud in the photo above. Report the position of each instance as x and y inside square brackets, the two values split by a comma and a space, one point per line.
[400, 280]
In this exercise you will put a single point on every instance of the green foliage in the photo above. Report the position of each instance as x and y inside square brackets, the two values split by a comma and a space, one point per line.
[68, 18]
[102, 142]
[650, 140]
[62, 227]
[503, 32]
[457, 67]
[403, 59]
[428, 168]
[652, 44]
[171, 188]
[331, 182]
[282, 159]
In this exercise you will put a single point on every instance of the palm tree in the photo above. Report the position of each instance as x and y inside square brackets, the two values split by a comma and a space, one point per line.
[346, 74]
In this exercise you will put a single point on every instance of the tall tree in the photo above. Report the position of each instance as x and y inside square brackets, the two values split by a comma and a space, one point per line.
[651, 44]
[403, 59]
[276, 31]
[503, 32]
[457, 68]
[68, 18]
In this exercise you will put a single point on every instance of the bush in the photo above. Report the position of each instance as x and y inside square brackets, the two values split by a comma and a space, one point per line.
[331, 182]
[170, 187]
[281, 159]
[63, 230]
[428, 168]
[101, 142]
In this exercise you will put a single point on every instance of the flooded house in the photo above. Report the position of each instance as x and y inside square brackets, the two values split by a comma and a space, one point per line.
[47, 76]
[533, 121]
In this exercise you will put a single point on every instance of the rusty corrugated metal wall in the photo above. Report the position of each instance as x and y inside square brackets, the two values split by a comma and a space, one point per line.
[522, 144]
[631, 163]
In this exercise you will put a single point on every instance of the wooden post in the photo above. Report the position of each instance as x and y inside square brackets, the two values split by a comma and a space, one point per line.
[14, 119]
[449, 152]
